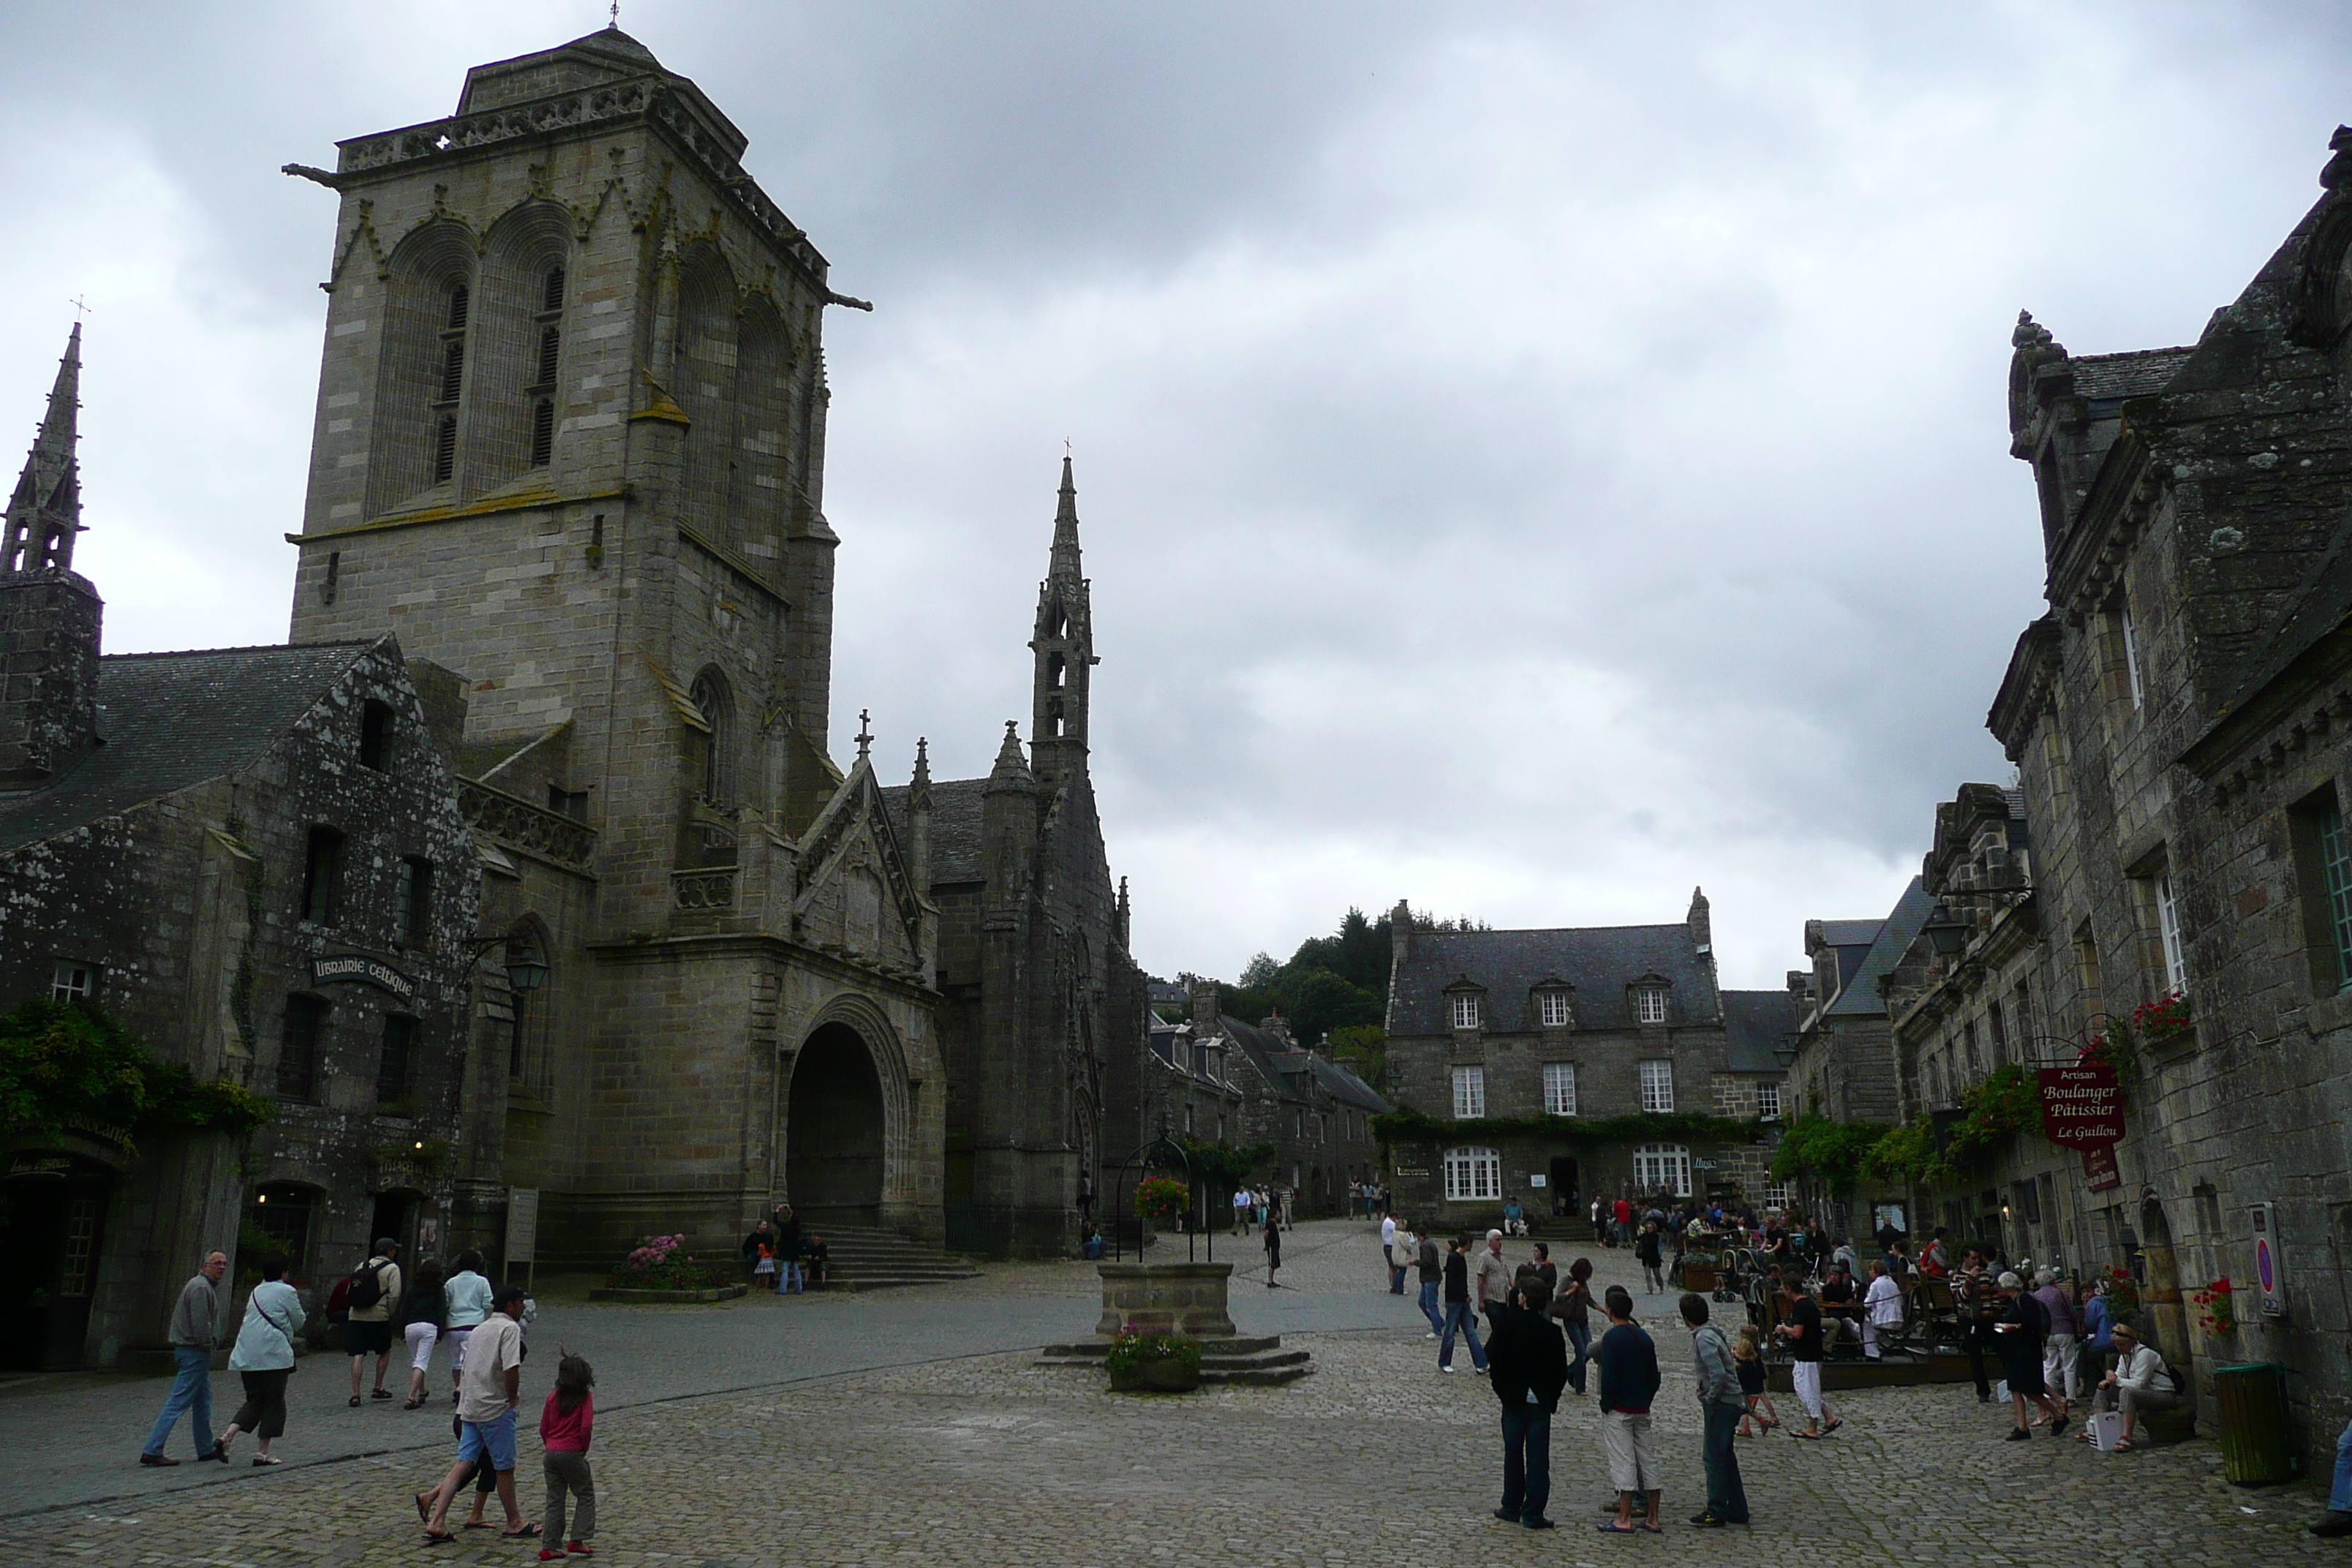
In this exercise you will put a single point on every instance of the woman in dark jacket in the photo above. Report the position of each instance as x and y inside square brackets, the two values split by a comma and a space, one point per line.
[2017, 1332]
[1273, 1245]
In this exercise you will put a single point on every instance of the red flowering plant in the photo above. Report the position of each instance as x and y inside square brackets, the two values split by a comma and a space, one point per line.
[2217, 1307]
[2165, 1018]
[1161, 1197]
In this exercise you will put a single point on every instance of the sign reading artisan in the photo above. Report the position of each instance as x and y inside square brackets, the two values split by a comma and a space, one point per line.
[2081, 1104]
[367, 970]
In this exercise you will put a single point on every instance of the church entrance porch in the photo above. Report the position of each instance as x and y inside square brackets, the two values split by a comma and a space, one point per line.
[833, 1131]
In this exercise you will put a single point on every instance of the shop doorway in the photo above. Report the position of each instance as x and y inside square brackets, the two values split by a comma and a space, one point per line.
[53, 1224]
[1564, 1192]
[396, 1212]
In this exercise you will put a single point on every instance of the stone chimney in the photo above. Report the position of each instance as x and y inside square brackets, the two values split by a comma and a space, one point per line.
[1203, 1000]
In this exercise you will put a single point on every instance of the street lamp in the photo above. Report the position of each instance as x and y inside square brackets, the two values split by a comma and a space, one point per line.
[526, 971]
[1944, 931]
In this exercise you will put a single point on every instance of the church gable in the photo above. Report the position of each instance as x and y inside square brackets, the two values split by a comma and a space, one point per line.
[852, 890]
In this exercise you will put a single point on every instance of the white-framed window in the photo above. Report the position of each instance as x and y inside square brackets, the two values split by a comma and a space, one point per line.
[1779, 1195]
[1465, 1010]
[1657, 1085]
[1559, 1088]
[1473, 1175]
[1469, 1093]
[72, 981]
[2168, 932]
[1662, 1168]
[1551, 1006]
[1650, 1004]
[1768, 1101]
[2131, 653]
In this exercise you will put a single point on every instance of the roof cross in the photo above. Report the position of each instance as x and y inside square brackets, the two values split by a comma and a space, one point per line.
[864, 732]
[81, 305]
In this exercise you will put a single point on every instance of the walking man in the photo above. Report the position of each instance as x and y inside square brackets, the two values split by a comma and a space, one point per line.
[1494, 1280]
[1241, 1209]
[1432, 1270]
[195, 1330]
[1458, 1318]
[1803, 1332]
[1388, 1255]
[486, 1397]
[375, 1292]
[1721, 1404]
[1527, 1362]
[1629, 1382]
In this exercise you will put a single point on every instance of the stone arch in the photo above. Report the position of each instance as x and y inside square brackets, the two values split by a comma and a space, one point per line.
[532, 240]
[430, 286]
[714, 695]
[706, 365]
[847, 1119]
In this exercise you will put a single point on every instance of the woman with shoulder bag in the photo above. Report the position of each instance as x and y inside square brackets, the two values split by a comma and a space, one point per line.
[264, 1360]
[1569, 1307]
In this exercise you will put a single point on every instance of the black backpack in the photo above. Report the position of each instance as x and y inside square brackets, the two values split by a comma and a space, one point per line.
[367, 1285]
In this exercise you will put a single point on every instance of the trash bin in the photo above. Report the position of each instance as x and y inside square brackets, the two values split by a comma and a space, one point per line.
[2251, 1400]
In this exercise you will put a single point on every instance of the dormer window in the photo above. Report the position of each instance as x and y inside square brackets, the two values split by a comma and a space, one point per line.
[1465, 1009]
[1650, 1004]
[1552, 1009]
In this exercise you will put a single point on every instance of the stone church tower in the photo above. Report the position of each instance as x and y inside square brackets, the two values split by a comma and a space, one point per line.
[569, 446]
[1043, 1017]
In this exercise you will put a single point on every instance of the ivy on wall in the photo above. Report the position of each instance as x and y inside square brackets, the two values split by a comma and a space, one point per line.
[65, 1064]
[1406, 1125]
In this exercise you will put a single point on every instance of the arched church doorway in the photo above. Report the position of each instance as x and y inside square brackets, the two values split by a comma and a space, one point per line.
[833, 1135]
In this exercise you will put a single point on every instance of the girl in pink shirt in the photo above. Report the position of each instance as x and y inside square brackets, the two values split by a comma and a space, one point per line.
[566, 1423]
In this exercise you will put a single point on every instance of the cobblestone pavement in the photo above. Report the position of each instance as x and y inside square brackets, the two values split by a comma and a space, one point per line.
[1375, 1459]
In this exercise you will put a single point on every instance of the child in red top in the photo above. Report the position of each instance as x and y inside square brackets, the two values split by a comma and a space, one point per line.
[566, 1423]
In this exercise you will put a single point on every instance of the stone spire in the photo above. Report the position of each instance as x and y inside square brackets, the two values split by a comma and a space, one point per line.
[919, 818]
[1011, 770]
[45, 511]
[1125, 922]
[1063, 644]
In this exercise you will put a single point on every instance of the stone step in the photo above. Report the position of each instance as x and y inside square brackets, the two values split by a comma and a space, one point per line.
[1238, 1362]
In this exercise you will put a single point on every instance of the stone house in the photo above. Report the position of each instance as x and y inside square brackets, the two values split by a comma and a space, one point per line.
[254, 860]
[1540, 1038]
[1841, 1067]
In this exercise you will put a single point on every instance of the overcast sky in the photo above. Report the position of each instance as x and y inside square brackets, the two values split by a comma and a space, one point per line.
[1532, 461]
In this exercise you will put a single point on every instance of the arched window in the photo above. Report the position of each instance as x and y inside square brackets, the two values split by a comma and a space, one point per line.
[1662, 1168]
[711, 696]
[425, 360]
[1473, 1175]
[1057, 671]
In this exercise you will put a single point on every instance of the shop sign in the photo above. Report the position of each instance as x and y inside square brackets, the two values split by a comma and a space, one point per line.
[2099, 1167]
[2081, 1104]
[366, 971]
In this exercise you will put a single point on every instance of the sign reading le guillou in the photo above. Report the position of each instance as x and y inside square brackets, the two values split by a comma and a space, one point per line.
[2081, 1104]
[366, 971]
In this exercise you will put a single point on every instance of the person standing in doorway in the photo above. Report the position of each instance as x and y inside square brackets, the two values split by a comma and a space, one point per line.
[1803, 1331]
[1459, 1318]
[1431, 1267]
[263, 1361]
[468, 1302]
[1527, 1362]
[373, 1297]
[1723, 1405]
[1629, 1384]
[195, 1330]
[1272, 1242]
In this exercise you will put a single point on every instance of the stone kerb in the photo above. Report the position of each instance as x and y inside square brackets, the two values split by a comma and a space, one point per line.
[1186, 1299]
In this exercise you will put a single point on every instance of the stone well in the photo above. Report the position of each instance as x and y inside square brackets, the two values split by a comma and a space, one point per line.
[1184, 1298]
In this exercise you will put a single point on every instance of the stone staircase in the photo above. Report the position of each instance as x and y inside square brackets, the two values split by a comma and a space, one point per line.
[1249, 1363]
[864, 1260]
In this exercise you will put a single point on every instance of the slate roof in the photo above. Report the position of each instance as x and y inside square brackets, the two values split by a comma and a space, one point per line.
[2322, 604]
[1342, 1084]
[1267, 1054]
[1759, 1030]
[172, 720]
[1860, 997]
[2135, 374]
[955, 827]
[1850, 933]
[1599, 961]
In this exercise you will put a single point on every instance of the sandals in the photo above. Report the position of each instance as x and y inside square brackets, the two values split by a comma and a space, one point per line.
[528, 1532]
[2124, 1446]
[262, 1461]
[439, 1537]
[379, 1394]
[412, 1403]
[425, 1514]
[1611, 1527]
[355, 1402]
[1835, 1422]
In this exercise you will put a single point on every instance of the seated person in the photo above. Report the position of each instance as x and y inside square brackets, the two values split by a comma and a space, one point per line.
[1838, 1298]
[815, 1257]
[1884, 1310]
[1514, 1219]
[2139, 1382]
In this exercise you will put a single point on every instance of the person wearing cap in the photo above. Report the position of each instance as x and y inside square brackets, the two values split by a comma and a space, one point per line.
[487, 1396]
[368, 1329]
[2137, 1383]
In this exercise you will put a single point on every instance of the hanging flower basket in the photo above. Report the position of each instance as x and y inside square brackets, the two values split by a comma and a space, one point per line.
[2166, 1018]
[1162, 1198]
[2217, 1307]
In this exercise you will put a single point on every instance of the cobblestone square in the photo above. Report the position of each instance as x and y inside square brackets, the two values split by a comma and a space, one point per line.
[954, 1458]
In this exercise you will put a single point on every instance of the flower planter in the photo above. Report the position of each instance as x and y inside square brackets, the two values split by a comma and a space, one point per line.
[1170, 1374]
[664, 1298]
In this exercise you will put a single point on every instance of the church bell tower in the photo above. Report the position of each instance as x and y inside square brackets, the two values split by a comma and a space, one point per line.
[1063, 644]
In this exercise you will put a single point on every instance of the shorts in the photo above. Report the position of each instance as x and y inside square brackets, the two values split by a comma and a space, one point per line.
[491, 1440]
[368, 1338]
[421, 1338]
[1633, 1451]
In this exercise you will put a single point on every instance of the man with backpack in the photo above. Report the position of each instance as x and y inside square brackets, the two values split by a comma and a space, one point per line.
[370, 1292]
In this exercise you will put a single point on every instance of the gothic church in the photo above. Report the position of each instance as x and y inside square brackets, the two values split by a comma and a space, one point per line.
[570, 449]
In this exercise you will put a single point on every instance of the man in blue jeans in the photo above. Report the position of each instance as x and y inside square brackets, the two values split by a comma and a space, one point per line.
[195, 1330]
[1458, 1317]
[1528, 1362]
[1432, 1270]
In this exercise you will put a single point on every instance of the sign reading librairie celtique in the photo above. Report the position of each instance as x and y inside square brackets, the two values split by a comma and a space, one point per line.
[2081, 1104]
[366, 971]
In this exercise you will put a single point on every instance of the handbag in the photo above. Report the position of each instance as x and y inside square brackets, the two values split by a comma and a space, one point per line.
[263, 1312]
